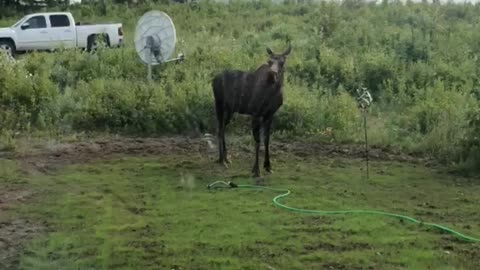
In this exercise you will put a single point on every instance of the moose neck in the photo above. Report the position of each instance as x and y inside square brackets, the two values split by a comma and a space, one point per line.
[265, 69]
[280, 78]
[278, 82]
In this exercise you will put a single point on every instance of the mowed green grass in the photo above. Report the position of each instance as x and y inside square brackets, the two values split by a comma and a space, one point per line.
[156, 213]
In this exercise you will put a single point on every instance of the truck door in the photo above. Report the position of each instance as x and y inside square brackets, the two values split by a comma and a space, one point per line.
[33, 34]
[62, 31]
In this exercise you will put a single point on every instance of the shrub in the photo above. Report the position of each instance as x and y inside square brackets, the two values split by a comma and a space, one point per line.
[438, 120]
[471, 142]
[26, 99]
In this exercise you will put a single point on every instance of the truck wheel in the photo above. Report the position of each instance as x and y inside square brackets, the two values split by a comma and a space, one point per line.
[92, 42]
[8, 47]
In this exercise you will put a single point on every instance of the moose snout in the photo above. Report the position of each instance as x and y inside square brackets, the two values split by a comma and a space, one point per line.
[275, 68]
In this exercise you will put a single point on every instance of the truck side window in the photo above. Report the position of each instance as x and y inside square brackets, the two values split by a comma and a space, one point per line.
[59, 21]
[37, 22]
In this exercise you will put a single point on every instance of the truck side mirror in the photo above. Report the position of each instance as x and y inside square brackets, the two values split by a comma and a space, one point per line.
[25, 26]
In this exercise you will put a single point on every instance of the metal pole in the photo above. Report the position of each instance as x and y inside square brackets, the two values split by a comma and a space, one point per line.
[364, 102]
[149, 51]
[366, 140]
[149, 67]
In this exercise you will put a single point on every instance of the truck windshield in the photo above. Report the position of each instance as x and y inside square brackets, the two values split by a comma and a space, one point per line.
[18, 22]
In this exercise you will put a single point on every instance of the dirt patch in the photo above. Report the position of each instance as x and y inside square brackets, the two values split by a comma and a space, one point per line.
[13, 235]
[303, 149]
[11, 196]
[43, 158]
[337, 248]
[468, 253]
[339, 266]
[316, 220]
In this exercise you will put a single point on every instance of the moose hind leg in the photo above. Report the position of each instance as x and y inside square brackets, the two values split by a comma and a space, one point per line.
[256, 124]
[267, 123]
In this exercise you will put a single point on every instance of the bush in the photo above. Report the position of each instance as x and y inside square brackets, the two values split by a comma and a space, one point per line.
[438, 120]
[26, 100]
[471, 142]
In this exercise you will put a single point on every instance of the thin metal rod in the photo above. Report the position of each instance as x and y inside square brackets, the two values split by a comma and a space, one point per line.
[149, 57]
[366, 140]
[149, 76]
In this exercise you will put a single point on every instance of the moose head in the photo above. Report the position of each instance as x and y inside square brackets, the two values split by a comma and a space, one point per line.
[276, 62]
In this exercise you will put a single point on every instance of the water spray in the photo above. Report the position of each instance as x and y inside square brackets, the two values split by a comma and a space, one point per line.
[364, 100]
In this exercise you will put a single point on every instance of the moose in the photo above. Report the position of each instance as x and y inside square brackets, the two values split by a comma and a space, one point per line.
[258, 94]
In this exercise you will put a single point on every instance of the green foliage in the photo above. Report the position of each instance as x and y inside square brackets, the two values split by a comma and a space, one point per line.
[419, 61]
[27, 99]
[439, 116]
[471, 143]
[7, 141]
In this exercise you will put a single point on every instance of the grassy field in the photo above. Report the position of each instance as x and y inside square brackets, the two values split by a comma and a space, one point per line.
[155, 212]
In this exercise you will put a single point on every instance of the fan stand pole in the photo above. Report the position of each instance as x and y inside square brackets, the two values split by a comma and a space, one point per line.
[149, 65]
[366, 141]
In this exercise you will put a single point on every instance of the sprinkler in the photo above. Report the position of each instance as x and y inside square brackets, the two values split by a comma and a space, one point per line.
[227, 184]
[364, 101]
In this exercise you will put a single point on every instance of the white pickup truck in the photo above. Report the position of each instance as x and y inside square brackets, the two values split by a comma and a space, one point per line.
[51, 30]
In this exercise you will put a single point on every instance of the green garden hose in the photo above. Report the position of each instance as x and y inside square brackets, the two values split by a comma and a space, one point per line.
[306, 211]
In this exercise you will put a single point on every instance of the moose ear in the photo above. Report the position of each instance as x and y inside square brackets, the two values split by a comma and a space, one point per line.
[289, 49]
[269, 51]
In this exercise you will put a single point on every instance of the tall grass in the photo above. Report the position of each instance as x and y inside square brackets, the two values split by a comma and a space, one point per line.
[419, 61]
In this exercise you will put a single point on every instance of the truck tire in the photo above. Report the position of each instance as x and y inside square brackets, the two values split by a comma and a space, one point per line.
[8, 47]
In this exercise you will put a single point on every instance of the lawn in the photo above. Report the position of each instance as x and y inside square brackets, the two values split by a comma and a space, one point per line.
[155, 212]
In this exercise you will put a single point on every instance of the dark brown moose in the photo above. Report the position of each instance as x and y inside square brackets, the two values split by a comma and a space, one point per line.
[258, 94]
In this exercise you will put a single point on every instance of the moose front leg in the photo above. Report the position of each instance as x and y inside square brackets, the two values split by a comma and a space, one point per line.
[221, 135]
[256, 124]
[221, 150]
[228, 117]
[267, 123]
